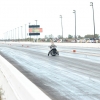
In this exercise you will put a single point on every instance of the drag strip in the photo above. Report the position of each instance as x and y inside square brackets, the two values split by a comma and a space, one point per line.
[60, 77]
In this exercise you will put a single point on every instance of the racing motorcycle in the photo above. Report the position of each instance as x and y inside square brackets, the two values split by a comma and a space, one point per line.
[53, 51]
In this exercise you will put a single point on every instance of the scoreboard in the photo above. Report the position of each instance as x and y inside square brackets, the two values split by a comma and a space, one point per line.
[35, 30]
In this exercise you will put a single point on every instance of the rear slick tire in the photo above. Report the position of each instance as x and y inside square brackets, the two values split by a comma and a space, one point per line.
[53, 53]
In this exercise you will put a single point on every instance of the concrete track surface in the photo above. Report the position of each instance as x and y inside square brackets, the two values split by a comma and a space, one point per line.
[69, 76]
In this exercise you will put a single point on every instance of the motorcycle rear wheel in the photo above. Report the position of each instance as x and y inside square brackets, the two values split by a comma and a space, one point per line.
[52, 53]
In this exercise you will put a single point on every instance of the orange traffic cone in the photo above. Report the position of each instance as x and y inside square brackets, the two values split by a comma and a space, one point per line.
[74, 50]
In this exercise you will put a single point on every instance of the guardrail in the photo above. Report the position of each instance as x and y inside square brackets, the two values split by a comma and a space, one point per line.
[16, 86]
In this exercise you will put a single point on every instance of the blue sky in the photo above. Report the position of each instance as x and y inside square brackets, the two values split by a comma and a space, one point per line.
[17, 13]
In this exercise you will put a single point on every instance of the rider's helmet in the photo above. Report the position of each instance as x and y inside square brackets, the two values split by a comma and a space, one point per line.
[52, 44]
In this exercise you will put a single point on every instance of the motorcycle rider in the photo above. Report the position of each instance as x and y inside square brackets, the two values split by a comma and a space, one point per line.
[51, 46]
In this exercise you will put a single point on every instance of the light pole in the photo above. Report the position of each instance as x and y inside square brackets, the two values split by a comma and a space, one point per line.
[29, 32]
[91, 4]
[21, 33]
[3, 36]
[25, 32]
[36, 22]
[11, 35]
[18, 33]
[7, 35]
[37, 36]
[74, 11]
[61, 27]
[15, 34]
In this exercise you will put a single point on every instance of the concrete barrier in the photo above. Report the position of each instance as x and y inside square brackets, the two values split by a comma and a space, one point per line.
[16, 86]
[94, 45]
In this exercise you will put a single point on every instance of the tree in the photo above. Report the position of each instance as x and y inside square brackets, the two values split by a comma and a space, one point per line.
[79, 37]
[50, 36]
[92, 36]
[97, 36]
[59, 37]
[70, 36]
[46, 37]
